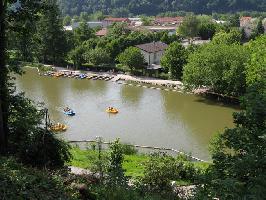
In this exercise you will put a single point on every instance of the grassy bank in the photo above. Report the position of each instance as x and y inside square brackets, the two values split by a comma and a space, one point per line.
[134, 164]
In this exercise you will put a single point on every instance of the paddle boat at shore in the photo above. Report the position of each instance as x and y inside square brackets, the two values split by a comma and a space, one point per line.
[82, 76]
[69, 112]
[112, 110]
[58, 127]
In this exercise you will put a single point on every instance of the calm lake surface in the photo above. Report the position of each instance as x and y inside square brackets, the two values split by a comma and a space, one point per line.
[147, 117]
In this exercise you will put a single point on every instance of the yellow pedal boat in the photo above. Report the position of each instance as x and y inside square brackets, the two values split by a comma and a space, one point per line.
[58, 127]
[112, 110]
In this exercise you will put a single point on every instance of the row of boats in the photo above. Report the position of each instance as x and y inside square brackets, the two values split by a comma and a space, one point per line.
[71, 74]
[68, 111]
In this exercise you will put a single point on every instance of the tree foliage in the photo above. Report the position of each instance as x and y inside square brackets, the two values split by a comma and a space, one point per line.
[153, 7]
[50, 38]
[132, 58]
[239, 162]
[189, 27]
[160, 169]
[256, 66]
[207, 30]
[221, 68]
[174, 59]
[232, 37]
[29, 140]
[97, 56]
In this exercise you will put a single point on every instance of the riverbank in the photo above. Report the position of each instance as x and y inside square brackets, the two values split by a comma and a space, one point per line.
[141, 81]
[116, 77]
[133, 164]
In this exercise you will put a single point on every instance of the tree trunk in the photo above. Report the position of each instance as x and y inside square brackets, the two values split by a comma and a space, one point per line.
[3, 82]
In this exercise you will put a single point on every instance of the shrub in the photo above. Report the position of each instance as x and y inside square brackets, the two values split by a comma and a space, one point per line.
[128, 149]
[30, 140]
[116, 175]
[161, 169]
[20, 182]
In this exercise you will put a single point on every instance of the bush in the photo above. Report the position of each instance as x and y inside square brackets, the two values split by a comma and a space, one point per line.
[30, 140]
[128, 149]
[20, 182]
[161, 169]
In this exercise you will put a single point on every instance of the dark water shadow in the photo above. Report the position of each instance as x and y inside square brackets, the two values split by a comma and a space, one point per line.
[215, 101]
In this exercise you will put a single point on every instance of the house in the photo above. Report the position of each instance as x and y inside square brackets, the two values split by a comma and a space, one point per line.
[136, 21]
[95, 24]
[153, 53]
[166, 21]
[170, 29]
[110, 20]
[102, 32]
[248, 24]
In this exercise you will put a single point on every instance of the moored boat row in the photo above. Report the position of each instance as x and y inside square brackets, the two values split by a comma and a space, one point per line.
[78, 75]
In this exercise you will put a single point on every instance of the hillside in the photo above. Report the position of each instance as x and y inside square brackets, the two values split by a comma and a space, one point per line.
[153, 7]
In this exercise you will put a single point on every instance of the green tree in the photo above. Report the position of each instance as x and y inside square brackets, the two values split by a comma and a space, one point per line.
[174, 59]
[207, 30]
[12, 18]
[256, 65]
[146, 21]
[67, 21]
[76, 56]
[84, 17]
[234, 20]
[260, 27]
[189, 27]
[118, 29]
[220, 68]
[132, 58]
[116, 175]
[97, 56]
[83, 33]
[233, 37]
[50, 37]
[239, 162]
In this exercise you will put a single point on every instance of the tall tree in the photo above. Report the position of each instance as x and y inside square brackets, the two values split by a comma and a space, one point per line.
[174, 59]
[50, 37]
[219, 67]
[259, 28]
[189, 27]
[3, 79]
[132, 58]
[83, 33]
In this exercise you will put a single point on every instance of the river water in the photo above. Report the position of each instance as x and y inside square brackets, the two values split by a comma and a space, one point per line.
[146, 116]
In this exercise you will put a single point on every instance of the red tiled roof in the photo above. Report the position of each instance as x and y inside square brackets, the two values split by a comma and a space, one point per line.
[111, 19]
[168, 19]
[102, 32]
[152, 47]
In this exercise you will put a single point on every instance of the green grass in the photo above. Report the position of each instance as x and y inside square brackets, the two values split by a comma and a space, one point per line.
[133, 164]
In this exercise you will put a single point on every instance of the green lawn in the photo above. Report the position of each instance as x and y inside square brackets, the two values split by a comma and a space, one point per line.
[133, 164]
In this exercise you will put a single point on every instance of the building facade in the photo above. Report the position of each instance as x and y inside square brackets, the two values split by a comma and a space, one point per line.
[152, 52]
